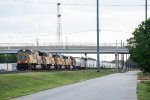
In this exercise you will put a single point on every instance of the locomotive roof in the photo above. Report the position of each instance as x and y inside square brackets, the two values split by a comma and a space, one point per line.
[65, 57]
[56, 55]
[25, 51]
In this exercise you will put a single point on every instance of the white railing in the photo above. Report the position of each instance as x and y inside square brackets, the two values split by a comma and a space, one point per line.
[60, 44]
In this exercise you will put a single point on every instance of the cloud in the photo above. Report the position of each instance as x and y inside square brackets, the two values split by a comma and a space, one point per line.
[24, 24]
[25, 18]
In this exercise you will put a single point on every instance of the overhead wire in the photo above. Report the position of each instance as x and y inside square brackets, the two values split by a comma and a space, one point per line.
[95, 31]
[77, 32]
[67, 4]
[23, 36]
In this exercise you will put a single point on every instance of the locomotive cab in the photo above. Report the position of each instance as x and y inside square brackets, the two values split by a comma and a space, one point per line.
[23, 59]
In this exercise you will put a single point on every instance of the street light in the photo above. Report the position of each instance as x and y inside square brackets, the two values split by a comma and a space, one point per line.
[98, 64]
[145, 10]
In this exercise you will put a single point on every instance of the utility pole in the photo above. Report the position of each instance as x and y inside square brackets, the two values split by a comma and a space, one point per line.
[122, 57]
[145, 10]
[59, 32]
[98, 64]
[66, 42]
[116, 56]
[146, 17]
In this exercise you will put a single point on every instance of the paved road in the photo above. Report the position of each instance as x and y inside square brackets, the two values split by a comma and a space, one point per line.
[119, 86]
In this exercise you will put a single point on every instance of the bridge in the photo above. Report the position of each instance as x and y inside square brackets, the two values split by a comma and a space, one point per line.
[72, 48]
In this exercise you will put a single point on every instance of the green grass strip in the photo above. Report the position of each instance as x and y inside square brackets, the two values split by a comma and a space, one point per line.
[143, 87]
[143, 90]
[14, 85]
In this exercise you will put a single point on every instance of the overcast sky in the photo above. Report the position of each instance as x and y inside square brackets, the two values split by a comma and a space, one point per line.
[23, 19]
[26, 20]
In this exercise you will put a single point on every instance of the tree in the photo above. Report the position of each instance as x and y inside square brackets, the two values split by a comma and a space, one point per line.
[131, 64]
[11, 58]
[139, 46]
[2, 58]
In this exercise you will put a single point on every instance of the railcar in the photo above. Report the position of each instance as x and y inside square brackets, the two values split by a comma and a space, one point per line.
[91, 63]
[78, 63]
[83, 63]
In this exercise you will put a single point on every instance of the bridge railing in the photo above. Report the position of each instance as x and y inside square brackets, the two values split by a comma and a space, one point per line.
[60, 44]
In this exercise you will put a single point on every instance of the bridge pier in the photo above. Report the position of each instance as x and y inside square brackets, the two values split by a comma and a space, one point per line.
[119, 67]
[117, 60]
[118, 64]
[126, 63]
[122, 61]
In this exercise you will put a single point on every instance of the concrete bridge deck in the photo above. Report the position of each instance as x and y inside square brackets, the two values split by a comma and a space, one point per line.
[74, 48]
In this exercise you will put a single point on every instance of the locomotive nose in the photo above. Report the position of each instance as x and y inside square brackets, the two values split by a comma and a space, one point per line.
[23, 59]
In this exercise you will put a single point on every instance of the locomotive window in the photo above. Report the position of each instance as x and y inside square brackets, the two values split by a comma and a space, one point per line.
[22, 57]
[28, 52]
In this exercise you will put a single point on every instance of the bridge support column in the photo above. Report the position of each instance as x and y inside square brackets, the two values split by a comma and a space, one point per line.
[122, 61]
[116, 60]
[126, 63]
[122, 58]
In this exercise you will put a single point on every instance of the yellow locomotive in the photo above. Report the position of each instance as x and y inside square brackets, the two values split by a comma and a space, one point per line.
[32, 60]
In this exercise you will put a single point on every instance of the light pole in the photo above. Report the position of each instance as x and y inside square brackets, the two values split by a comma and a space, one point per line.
[98, 64]
[6, 60]
[145, 10]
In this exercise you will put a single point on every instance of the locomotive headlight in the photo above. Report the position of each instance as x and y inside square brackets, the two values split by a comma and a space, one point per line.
[18, 61]
[26, 61]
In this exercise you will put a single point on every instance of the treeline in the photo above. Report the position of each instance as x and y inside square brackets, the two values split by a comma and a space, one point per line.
[139, 46]
[10, 58]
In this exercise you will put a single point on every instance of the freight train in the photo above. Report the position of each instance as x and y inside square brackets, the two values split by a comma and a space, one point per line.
[33, 60]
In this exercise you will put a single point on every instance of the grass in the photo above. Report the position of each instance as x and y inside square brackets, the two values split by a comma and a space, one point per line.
[14, 85]
[143, 90]
[143, 87]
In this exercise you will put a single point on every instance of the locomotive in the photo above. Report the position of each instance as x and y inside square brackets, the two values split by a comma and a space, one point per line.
[33, 60]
